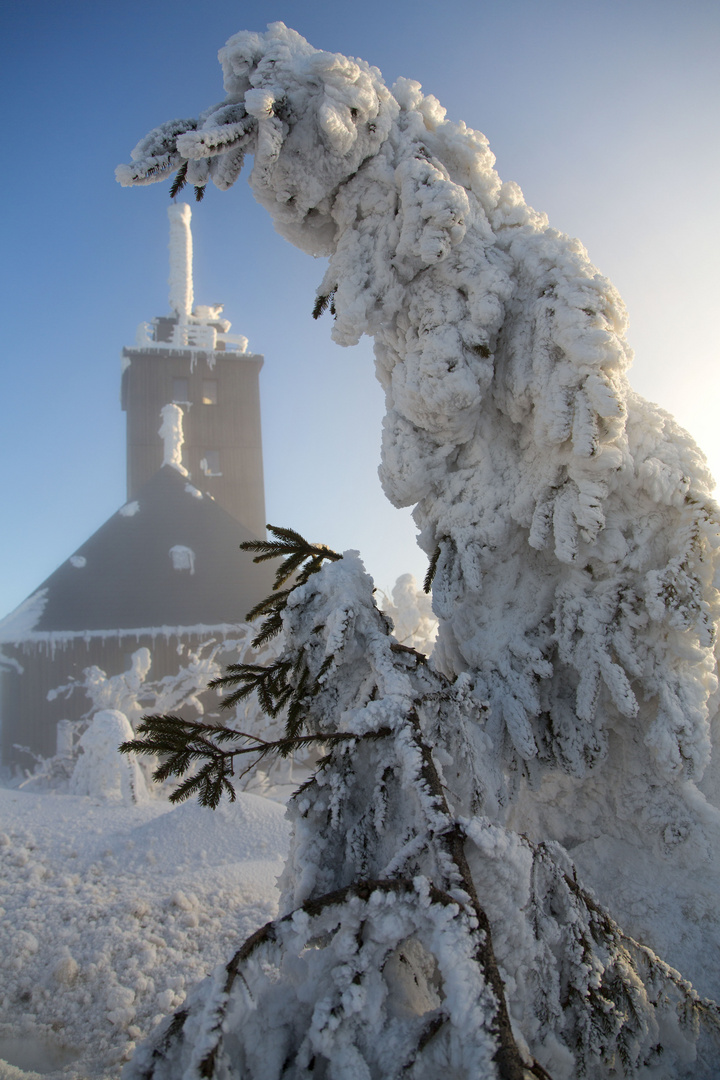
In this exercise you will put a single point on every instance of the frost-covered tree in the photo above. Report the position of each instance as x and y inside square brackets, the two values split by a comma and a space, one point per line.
[568, 523]
[410, 609]
[127, 692]
[416, 935]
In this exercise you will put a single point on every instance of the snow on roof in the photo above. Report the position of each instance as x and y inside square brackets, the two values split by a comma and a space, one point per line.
[23, 620]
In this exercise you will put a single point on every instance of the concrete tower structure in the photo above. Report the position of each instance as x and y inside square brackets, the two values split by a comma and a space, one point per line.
[189, 358]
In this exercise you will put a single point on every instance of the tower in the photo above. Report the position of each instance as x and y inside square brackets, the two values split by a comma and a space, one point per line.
[164, 573]
[189, 358]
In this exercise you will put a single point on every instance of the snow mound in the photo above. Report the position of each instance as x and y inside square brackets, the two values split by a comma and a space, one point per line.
[252, 829]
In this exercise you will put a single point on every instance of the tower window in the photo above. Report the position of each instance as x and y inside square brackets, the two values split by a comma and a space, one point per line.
[210, 463]
[180, 392]
[209, 392]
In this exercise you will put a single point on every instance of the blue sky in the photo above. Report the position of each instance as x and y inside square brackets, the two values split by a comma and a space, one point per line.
[605, 113]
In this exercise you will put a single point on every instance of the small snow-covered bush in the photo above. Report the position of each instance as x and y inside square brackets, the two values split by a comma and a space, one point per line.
[99, 770]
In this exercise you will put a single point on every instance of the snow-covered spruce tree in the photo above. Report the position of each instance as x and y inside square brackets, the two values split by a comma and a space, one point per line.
[569, 522]
[416, 936]
[575, 537]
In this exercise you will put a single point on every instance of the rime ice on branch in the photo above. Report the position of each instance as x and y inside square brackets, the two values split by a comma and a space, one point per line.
[572, 524]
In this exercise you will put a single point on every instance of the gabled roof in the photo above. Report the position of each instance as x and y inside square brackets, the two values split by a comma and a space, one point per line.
[168, 559]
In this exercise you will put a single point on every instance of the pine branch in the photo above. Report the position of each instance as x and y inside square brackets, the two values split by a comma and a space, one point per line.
[270, 628]
[289, 536]
[284, 683]
[303, 559]
[296, 548]
[184, 742]
[397, 647]
[321, 304]
[297, 704]
[199, 192]
[432, 570]
[180, 180]
[269, 604]
[270, 683]
[508, 1060]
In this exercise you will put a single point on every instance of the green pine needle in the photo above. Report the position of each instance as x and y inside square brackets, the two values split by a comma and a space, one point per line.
[303, 559]
[432, 569]
[321, 303]
[269, 604]
[180, 180]
[185, 743]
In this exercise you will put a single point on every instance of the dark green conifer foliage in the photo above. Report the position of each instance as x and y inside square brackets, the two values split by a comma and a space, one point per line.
[301, 559]
[180, 180]
[181, 743]
[322, 303]
[432, 569]
[283, 684]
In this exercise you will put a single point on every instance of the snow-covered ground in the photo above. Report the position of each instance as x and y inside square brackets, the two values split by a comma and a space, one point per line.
[109, 913]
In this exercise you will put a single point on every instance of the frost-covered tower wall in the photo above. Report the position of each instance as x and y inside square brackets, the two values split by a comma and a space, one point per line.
[189, 358]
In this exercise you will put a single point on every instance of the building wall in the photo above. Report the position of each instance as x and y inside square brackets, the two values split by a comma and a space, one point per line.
[230, 428]
[28, 719]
